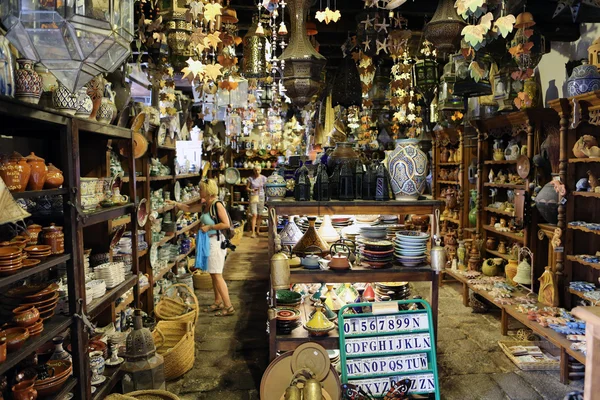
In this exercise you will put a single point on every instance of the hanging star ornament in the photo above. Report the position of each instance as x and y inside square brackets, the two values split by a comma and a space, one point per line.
[368, 22]
[381, 46]
[382, 26]
[367, 45]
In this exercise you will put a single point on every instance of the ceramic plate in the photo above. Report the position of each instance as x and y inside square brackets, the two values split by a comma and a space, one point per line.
[232, 175]
[177, 191]
[140, 145]
[142, 212]
[312, 356]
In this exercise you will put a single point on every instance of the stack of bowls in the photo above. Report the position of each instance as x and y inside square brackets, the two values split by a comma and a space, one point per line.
[411, 247]
[60, 370]
[341, 221]
[112, 273]
[126, 259]
[373, 232]
[287, 319]
[95, 288]
[42, 296]
[376, 253]
[39, 251]
[288, 298]
[388, 219]
[11, 260]
[391, 291]
[392, 229]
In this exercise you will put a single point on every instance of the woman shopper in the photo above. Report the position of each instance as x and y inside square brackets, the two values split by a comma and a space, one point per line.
[256, 187]
[214, 218]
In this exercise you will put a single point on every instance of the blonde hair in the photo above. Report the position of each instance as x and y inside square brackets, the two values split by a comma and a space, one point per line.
[210, 187]
[258, 169]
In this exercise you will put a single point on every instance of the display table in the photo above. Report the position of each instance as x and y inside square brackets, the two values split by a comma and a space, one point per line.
[396, 273]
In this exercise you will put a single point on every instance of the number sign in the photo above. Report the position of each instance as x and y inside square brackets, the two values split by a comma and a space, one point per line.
[378, 350]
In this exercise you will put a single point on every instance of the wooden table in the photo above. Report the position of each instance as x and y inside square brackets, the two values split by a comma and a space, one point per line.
[591, 316]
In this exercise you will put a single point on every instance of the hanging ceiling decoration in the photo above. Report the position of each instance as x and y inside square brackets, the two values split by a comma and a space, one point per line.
[445, 28]
[303, 65]
[74, 40]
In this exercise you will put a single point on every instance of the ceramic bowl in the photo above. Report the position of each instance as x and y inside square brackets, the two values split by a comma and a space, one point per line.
[9, 252]
[38, 249]
[412, 236]
[287, 297]
[30, 262]
[48, 389]
[25, 316]
[15, 338]
[58, 370]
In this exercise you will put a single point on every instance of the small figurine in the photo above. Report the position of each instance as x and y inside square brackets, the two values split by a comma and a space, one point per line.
[593, 181]
[491, 176]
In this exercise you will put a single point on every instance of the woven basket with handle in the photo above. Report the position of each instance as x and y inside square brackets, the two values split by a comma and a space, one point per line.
[174, 340]
[202, 280]
[171, 308]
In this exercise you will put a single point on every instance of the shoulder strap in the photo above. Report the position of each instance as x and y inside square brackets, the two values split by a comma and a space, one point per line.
[213, 211]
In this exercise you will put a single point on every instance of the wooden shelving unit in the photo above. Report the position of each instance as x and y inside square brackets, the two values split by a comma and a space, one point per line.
[358, 273]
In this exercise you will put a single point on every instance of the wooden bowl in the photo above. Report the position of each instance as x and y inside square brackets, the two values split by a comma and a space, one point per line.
[61, 369]
[15, 338]
[10, 252]
[25, 316]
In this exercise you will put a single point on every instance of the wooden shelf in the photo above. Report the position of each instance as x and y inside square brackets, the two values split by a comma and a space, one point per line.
[161, 178]
[182, 256]
[95, 217]
[125, 179]
[252, 169]
[448, 182]
[27, 272]
[358, 207]
[300, 335]
[88, 125]
[165, 208]
[165, 240]
[396, 273]
[449, 164]
[142, 253]
[114, 223]
[580, 295]
[165, 270]
[497, 211]
[504, 185]
[187, 176]
[67, 387]
[98, 305]
[187, 228]
[584, 160]
[583, 229]
[52, 327]
[583, 262]
[495, 253]
[113, 376]
[241, 202]
[453, 220]
[37, 193]
[509, 235]
[586, 194]
[123, 305]
[501, 162]
[162, 147]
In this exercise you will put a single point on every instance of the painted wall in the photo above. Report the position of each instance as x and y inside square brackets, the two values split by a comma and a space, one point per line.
[551, 70]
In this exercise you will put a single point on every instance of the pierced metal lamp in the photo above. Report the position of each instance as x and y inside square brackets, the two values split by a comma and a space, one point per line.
[75, 40]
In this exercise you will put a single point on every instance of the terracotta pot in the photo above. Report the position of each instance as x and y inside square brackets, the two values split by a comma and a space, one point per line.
[54, 237]
[15, 338]
[54, 178]
[444, 155]
[25, 316]
[24, 391]
[490, 243]
[34, 233]
[15, 172]
[38, 172]
[511, 271]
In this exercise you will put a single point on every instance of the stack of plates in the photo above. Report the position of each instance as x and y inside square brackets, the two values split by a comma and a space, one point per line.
[410, 247]
[376, 253]
[40, 251]
[334, 356]
[287, 319]
[11, 260]
[366, 218]
[95, 288]
[373, 232]
[303, 223]
[126, 259]
[391, 291]
[112, 273]
[340, 221]
[389, 219]
[392, 229]
[288, 298]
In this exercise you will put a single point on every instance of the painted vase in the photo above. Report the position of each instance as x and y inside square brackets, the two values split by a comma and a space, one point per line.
[54, 178]
[94, 89]
[54, 237]
[511, 271]
[85, 103]
[408, 170]
[59, 352]
[34, 233]
[29, 82]
[38, 174]
[489, 268]
[107, 111]
[64, 100]
[473, 212]
[584, 78]
[275, 188]
[531, 89]
[15, 172]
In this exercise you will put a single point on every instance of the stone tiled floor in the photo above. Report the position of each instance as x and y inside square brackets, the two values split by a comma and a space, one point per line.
[232, 352]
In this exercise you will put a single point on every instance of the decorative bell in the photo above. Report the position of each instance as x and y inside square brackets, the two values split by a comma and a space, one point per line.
[438, 256]
[523, 273]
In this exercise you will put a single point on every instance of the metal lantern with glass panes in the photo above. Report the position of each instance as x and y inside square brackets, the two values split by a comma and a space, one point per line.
[446, 98]
[425, 77]
[505, 88]
[75, 40]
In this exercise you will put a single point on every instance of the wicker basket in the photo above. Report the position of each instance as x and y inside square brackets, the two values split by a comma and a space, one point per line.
[174, 309]
[175, 342]
[239, 233]
[545, 346]
[202, 280]
[144, 395]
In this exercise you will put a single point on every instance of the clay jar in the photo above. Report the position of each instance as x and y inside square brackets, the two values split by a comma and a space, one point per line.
[15, 172]
[25, 316]
[24, 391]
[502, 247]
[450, 199]
[34, 233]
[511, 271]
[54, 178]
[37, 177]
[343, 152]
[490, 243]
[54, 237]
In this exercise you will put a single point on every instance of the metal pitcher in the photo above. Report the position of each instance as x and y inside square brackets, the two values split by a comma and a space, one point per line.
[438, 253]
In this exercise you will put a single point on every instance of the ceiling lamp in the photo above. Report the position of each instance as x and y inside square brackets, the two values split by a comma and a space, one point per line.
[303, 65]
[444, 29]
[74, 40]
[255, 56]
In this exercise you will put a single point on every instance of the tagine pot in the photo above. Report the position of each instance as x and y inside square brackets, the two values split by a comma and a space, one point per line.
[28, 82]
[344, 151]
[15, 171]
[407, 166]
[584, 79]
[54, 177]
[39, 171]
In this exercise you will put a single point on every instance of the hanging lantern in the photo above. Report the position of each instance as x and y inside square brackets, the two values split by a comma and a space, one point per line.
[346, 90]
[425, 76]
[594, 54]
[505, 88]
[255, 56]
[303, 65]
[444, 29]
[446, 98]
[467, 86]
[266, 96]
[527, 59]
[75, 41]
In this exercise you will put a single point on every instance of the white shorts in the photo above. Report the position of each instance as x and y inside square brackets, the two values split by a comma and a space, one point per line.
[256, 208]
[216, 259]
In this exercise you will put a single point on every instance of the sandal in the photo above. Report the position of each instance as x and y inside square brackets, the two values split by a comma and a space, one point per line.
[225, 312]
[214, 307]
